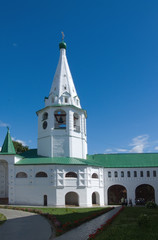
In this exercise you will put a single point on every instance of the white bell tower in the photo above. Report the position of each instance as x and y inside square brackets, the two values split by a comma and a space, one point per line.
[62, 123]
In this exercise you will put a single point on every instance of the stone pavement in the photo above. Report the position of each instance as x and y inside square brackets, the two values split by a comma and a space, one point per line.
[82, 232]
[24, 226]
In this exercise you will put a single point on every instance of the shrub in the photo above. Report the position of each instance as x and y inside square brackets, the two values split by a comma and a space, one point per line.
[151, 205]
[143, 220]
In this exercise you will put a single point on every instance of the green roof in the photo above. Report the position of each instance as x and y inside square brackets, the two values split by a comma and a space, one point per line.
[129, 160]
[125, 160]
[8, 147]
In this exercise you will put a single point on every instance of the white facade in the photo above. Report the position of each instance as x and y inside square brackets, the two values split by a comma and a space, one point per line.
[61, 174]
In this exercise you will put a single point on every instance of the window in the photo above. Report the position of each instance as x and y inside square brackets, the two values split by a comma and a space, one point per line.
[45, 124]
[71, 175]
[128, 174]
[109, 174]
[52, 99]
[94, 175]
[60, 119]
[148, 174]
[122, 174]
[76, 122]
[21, 175]
[41, 174]
[135, 173]
[66, 100]
[141, 173]
[154, 173]
[115, 174]
[45, 116]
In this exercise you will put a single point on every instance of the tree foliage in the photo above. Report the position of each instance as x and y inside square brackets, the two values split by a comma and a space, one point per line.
[19, 148]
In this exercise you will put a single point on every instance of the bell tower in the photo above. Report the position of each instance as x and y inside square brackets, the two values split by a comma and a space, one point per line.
[62, 122]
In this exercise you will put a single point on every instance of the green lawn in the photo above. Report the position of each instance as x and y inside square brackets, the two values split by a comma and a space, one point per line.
[126, 226]
[70, 214]
[2, 218]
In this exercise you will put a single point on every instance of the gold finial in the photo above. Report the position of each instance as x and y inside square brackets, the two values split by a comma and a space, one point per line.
[62, 35]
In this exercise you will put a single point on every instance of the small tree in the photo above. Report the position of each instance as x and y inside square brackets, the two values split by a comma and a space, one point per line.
[19, 148]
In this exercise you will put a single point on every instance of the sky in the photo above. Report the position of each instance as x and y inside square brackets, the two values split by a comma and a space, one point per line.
[112, 51]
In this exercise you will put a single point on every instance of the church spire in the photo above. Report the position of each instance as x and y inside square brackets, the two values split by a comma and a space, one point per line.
[63, 90]
[8, 146]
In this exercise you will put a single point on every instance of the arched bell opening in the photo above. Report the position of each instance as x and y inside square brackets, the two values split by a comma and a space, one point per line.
[60, 119]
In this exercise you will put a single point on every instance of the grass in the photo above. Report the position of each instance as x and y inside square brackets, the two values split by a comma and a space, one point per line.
[70, 214]
[126, 226]
[2, 218]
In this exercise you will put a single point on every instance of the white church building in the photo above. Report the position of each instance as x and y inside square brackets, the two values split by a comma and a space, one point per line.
[60, 172]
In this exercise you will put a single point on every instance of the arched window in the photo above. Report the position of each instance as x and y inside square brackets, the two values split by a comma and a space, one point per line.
[41, 174]
[76, 122]
[59, 119]
[128, 174]
[45, 116]
[21, 175]
[71, 175]
[94, 175]
[122, 174]
[115, 174]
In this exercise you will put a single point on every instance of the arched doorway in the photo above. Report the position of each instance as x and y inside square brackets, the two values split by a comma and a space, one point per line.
[95, 198]
[144, 193]
[115, 193]
[3, 182]
[45, 200]
[71, 198]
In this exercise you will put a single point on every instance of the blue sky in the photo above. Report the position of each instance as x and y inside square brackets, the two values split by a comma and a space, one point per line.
[112, 50]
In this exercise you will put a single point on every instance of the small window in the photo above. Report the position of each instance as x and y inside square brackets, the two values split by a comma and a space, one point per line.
[115, 174]
[52, 99]
[109, 174]
[148, 173]
[45, 116]
[135, 173]
[66, 100]
[21, 175]
[154, 173]
[122, 174]
[41, 174]
[71, 175]
[94, 175]
[141, 173]
[128, 174]
[76, 122]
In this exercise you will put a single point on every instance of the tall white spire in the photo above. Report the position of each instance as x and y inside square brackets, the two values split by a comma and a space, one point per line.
[63, 89]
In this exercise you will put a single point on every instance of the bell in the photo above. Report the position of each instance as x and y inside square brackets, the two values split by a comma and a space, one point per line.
[60, 120]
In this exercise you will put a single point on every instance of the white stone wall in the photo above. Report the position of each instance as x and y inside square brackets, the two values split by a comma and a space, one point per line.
[31, 190]
[67, 142]
[130, 183]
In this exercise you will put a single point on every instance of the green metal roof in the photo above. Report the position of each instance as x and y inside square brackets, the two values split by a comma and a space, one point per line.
[8, 147]
[129, 160]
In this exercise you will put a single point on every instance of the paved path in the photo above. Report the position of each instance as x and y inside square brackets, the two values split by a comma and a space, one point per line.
[24, 226]
[82, 232]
